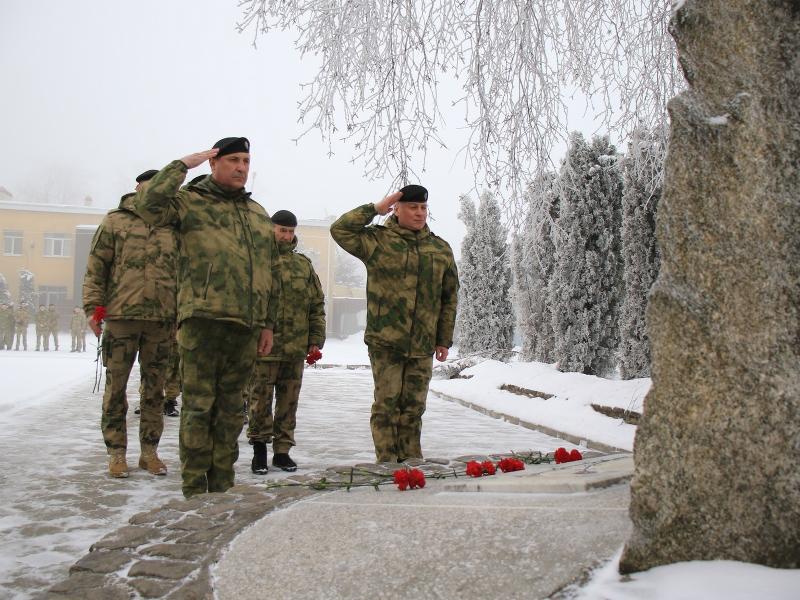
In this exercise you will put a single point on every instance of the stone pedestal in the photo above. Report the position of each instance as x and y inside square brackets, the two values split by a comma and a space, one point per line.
[718, 450]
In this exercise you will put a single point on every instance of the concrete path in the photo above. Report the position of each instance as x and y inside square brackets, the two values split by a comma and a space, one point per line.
[57, 501]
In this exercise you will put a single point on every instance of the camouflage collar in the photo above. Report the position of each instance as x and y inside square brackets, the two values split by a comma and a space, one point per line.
[287, 247]
[128, 202]
[409, 234]
[208, 185]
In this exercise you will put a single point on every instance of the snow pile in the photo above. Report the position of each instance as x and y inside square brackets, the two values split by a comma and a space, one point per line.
[569, 410]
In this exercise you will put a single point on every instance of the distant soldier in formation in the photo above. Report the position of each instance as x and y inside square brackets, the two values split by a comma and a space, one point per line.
[21, 320]
[6, 325]
[52, 325]
[412, 292]
[131, 272]
[41, 320]
[299, 329]
[77, 327]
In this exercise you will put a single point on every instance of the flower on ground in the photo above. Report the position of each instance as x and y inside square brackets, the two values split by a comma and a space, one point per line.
[575, 455]
[474, 469]
[409, 478]
[401, 479]
[561, 455]
[511, 464]
[488, 467]
[416, 478]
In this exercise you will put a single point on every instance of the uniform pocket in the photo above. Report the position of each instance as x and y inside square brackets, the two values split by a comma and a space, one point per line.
[187, 336]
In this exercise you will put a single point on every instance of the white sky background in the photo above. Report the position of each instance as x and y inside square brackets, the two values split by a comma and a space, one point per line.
[95, 92]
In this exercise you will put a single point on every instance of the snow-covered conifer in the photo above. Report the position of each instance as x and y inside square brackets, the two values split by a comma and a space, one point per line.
[642, 169]
[485, 316]
[27, 293]
[533, 256]
[586, 285]
[5, 294]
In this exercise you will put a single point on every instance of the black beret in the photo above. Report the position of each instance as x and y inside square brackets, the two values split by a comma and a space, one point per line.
[414, 193]
[231, 145]
[146, 175]
[285, 218]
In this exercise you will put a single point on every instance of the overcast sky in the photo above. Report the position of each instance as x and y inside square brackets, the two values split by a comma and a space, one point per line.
[96, 91]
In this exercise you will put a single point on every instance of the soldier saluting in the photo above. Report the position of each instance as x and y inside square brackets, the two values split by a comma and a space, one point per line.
[227, 301]
[412, 293]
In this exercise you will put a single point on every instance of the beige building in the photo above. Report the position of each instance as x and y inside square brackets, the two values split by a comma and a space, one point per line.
[52, 242]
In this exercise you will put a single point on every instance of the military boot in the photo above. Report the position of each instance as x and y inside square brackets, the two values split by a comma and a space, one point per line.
[259, 464]
[149, 461]
[284, 462]
[117, 465]
[171, 408]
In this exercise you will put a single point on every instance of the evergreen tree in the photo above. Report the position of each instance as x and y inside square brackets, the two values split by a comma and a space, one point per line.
[486, 320]
[5, 294]
[348, 270]
[27, 293]
[586, 285]
[642, 168]
[533, 254]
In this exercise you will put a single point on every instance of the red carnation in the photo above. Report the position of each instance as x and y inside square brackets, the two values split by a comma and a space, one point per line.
[313, 356]
[401, 479]
[416, 478]
[474, 469]
[99, 314]
[511, 464]
[488, 467]
[561, 455]
[575, 455]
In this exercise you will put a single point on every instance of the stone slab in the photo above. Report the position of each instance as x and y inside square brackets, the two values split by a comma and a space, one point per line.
[569, 478]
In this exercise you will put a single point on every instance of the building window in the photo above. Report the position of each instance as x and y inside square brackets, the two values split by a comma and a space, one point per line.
[12, 243]
[52, 294]
[57, 244]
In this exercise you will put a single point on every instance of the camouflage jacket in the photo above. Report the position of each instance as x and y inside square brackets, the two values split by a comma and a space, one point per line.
[301, 308]
[131, 268]
[52, 320]
[412, 282]
[227, 245]
[6, 317]
[21, 317]
[77, 323]
[41, 319]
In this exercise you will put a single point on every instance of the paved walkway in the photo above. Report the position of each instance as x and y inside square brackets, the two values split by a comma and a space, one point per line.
[57, 501]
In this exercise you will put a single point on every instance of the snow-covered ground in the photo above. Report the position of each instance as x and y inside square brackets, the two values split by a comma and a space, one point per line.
[56, 499]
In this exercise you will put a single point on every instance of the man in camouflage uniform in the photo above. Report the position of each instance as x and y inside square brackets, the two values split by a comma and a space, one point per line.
[299, 329]
[41, 320]
[77, 327]
[6, 319]
[226, 301]
[21, 319]
[412, 290]
[131, 272]
[52, 325]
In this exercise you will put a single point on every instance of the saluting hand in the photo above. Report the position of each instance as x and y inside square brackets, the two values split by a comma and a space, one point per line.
[385, 205]
[198, 158]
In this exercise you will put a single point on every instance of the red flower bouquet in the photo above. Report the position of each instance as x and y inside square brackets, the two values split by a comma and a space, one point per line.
[474, 469]
[511, 464]
[409, 478]
[488, 467]
[313, 356]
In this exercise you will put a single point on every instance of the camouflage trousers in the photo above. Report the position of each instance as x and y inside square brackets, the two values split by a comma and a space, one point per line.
[216, 361]
[42, 339]
[54, 333]
[21, 334]
[122, 342]
[79, 341]
[401, 390]
[283, 380]
[172, 386]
